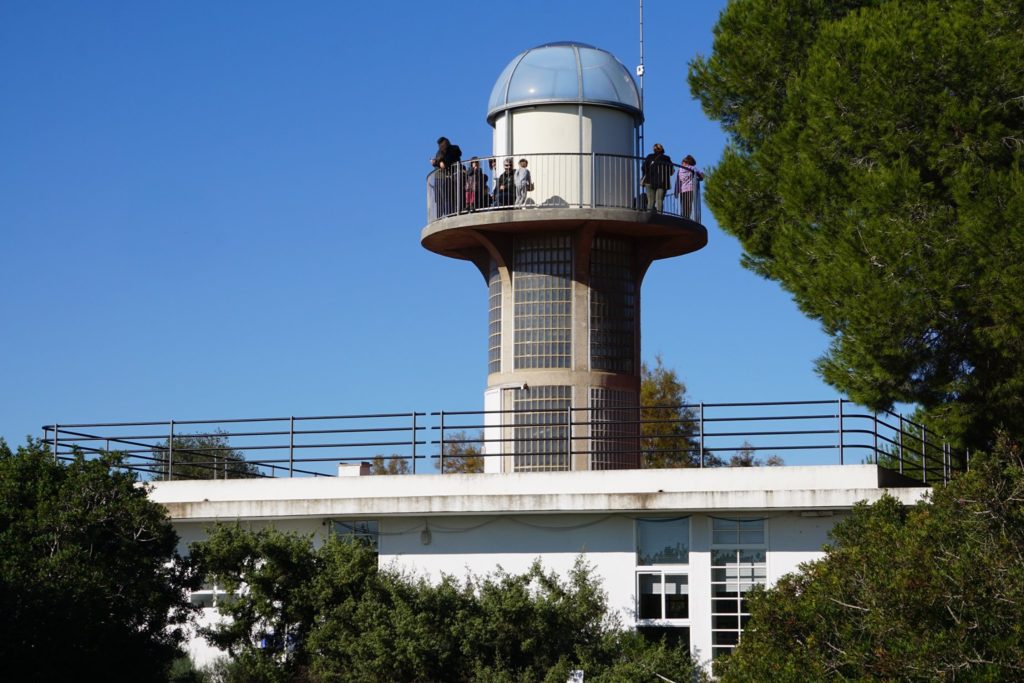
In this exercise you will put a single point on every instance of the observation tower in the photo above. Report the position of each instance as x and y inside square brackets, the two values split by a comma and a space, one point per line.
[564, 263]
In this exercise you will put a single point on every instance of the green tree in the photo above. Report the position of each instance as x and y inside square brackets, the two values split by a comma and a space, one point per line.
[462, 453]
[380, 465]
[91, 585]
[746, 456]
[930, 593]
[201, 456]
[302, 610]
[875, 170]
[668, 427]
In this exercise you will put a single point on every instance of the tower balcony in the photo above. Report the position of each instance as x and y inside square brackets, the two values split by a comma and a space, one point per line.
[477, 204]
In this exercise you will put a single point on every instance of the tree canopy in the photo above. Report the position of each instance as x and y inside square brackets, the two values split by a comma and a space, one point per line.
[668, 427]
[930, 593]
[314, 611]
[201, 456]
[91, 586]
[875, 169]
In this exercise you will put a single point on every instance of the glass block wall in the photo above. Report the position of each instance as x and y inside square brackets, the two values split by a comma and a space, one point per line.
[542, 283]
[494, 319]
[612, 306]
[614, 429]
[541, 429]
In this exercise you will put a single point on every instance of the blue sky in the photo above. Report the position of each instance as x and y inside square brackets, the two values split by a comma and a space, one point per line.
[214, 209]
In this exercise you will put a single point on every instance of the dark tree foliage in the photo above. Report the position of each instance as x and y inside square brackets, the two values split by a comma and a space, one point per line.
[91, 586]
[931, 593]
[876, 171]
[326, 612]
[201, 456]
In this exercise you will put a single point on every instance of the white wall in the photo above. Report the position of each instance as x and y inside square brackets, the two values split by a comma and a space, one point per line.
[480, 544]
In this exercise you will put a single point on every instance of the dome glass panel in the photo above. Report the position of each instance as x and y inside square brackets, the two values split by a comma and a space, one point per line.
[564, 72]
[604, 78]
[546, 74]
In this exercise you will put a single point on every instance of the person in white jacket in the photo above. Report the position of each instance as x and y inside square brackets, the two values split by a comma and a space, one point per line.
[523, 182]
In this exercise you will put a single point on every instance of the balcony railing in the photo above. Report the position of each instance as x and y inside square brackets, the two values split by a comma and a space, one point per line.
[562, 181]
[698, 435]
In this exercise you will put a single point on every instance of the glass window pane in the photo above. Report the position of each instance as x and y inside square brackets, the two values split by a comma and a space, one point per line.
[751, 537]
[725, 621]
[663, 541]
[725, 637]
[752, 556]
[721, 558]
[650, 596]
[677, 598]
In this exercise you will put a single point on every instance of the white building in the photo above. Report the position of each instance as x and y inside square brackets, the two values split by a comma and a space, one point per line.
[675, 549]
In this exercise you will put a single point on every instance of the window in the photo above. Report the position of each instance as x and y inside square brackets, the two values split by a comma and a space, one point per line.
[662, 541]
[367, 531]
[662, 596]
[662, 578]
[738, 563]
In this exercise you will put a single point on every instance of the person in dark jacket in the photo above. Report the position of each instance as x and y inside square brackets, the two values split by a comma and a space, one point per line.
[657, 176]
[505, 191]
[446, 192]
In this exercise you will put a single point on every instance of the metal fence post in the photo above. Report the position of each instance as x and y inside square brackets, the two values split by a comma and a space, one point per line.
[593, 180]
[414, 442]
[702, 433]
[291, 445]
[899, 439]
[170, 451]
[841, 462]
[568, 436]
[874, 418]
[56, 430]
[924, 455]
[442, 442]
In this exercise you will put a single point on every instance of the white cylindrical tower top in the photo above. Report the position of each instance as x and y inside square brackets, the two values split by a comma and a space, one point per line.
[565, 73]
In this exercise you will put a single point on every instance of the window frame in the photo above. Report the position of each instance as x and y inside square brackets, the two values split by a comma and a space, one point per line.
[738, 580]
[662, 570]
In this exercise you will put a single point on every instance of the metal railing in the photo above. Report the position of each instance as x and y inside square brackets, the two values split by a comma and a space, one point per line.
[559, 180]
[696, 435]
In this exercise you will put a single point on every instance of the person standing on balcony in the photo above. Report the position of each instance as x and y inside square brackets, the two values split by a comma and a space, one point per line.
[445, 161]
[476, 186]
[505, 193]
[523, 182]
[657, 176]
[686, 184]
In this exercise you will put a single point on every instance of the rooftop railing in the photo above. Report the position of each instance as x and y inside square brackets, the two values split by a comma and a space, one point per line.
[560, 180]
[695, 435]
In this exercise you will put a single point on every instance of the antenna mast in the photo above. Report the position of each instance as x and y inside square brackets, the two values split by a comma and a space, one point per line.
[640, 75]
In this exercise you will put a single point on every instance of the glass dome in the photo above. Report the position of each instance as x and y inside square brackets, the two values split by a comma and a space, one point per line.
[568, 73]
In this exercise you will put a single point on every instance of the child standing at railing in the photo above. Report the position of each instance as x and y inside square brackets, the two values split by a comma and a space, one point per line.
[523, 182]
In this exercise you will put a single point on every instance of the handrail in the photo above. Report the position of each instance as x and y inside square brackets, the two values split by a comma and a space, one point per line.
[696, 434]
[564, 180]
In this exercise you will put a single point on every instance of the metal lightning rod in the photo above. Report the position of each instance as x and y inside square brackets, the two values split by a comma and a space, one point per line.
[640, 75]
